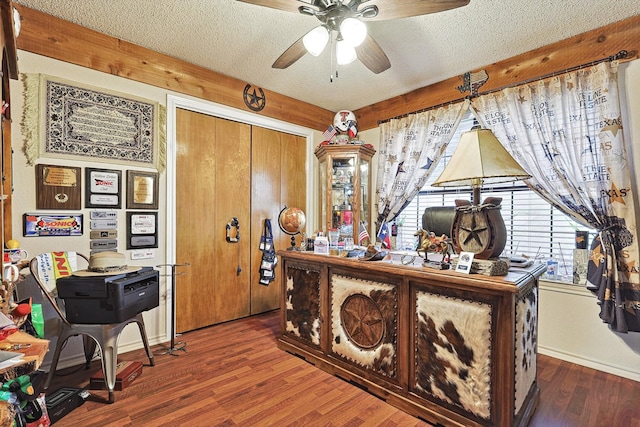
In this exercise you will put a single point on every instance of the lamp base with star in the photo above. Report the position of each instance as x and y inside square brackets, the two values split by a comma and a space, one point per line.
[479, 229]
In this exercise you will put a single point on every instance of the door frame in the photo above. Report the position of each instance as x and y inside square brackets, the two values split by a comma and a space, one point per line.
[229, 113]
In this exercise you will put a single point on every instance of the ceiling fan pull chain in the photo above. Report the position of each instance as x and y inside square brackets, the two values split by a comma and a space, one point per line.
[331, 53]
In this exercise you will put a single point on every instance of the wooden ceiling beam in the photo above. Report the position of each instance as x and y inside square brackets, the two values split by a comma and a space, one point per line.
[49, 36]
[572, 52]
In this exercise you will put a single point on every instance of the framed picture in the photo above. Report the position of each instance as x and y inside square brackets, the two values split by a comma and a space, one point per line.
[58, 187]
[142, 190]
[142, 230]
[103, 188]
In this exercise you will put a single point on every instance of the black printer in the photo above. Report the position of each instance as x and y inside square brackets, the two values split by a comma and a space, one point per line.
[109, 299]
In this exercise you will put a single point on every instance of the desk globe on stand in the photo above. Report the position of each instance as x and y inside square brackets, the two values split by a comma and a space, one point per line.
[292, 222]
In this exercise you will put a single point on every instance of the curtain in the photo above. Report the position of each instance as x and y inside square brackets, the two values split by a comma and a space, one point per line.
[410, 147]
[566, 132]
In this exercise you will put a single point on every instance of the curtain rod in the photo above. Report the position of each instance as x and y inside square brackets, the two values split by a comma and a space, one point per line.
[623, 54]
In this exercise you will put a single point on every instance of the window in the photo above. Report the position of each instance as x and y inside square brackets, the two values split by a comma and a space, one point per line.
[534, 228]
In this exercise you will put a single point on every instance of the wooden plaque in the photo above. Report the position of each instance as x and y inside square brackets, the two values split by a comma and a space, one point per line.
[58, 187]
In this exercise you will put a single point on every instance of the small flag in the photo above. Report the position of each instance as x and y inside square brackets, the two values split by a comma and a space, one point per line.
[363, 233]
[352, 129]
[329, 133]
[384, 236]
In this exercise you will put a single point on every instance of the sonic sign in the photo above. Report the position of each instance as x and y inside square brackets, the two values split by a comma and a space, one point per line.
[52, 225]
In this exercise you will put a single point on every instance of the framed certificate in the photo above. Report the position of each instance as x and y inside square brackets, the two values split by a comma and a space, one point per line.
[142, 190]
[58, 187]
[102, 188]
[142, 230]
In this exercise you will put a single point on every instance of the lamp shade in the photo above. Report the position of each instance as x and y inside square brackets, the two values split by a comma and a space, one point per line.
[316, 40]
[480, 159]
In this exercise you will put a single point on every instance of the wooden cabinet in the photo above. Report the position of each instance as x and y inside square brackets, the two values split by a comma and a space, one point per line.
[345, 187]
[449, 348]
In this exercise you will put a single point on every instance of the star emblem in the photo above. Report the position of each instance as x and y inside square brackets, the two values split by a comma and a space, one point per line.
[473, 232]
[254, 98]
[615, 195]
[362, 321]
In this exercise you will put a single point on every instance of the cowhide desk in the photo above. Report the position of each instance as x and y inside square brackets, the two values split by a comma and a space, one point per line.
[446, 347]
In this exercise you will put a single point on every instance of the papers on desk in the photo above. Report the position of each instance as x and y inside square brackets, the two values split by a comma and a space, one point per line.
[9, 358]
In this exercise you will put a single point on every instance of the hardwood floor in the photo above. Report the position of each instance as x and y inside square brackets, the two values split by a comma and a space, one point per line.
[234, 375]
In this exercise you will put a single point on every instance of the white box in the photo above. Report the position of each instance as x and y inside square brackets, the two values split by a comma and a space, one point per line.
[321, 245]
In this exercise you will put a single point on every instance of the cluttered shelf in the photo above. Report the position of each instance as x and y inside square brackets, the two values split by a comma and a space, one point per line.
[29, 351]
[33, 350]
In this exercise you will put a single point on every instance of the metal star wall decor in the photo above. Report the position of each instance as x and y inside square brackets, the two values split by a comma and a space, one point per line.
[254, 98]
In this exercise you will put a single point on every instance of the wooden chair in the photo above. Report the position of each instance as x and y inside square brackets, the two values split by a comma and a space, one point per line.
[104, 335]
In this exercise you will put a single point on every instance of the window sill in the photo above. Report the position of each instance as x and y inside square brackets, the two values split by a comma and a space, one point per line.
[564, 287]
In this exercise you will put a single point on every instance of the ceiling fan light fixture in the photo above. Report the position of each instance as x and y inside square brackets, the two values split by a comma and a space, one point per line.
[345, 53]
[354, 31]
[316, 40]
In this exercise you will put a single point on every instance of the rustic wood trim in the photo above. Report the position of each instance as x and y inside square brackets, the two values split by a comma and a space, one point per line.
[9, 42]
[572, 52]
[49, 36]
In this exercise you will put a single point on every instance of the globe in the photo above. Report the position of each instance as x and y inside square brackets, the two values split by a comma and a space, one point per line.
[292, 222]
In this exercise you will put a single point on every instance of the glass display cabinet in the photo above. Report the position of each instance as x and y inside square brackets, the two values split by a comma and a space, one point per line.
[345, 188]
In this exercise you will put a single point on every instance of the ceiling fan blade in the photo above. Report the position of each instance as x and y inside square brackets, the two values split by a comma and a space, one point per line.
[291, 55]
[286, 5]
[372, 56]
[393, 9]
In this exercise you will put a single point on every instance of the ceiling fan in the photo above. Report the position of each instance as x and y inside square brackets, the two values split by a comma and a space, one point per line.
[344, 18]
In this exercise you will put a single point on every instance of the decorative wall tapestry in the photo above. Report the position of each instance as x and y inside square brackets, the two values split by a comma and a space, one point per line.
[63, 119]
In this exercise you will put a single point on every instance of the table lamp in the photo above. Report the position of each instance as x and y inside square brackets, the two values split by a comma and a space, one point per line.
[479, 159]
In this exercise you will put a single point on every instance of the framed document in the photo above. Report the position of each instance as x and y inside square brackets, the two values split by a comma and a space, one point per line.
[58, 187]
[102, 188]
[142, 190]
[142, 230]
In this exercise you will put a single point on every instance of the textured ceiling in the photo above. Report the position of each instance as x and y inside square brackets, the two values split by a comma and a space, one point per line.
[243, 40]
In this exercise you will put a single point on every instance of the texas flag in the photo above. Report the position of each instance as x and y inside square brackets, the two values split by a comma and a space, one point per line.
[384, 236]
[352, 129]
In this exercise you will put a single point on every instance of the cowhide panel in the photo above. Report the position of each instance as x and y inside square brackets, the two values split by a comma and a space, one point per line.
[303, 304]
[453, 352]
[364, 323]
[525, 345]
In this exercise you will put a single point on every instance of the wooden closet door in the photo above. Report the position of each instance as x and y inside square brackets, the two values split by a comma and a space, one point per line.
[278, 178]
[212, 186]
